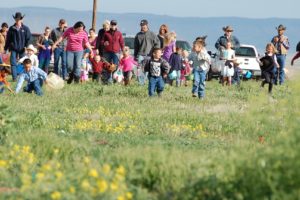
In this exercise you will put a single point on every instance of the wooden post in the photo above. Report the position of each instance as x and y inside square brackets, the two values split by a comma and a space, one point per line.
[94, 14]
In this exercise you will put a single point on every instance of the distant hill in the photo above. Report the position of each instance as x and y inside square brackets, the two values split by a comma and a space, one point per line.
[250, 31]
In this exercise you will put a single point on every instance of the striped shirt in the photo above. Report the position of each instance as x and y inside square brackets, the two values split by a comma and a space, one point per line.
[76, 41]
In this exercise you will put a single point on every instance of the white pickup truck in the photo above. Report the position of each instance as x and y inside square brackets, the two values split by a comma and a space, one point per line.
[246, 56]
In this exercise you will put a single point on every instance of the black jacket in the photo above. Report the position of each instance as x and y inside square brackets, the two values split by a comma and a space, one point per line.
[17, 40]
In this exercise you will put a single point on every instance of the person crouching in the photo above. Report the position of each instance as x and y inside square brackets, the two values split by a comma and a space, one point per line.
[34, 76]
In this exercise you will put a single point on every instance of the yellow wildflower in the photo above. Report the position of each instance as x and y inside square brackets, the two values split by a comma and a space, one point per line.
[121, 170]
[129, 195]
[55, 195]
[102, 186]
[114, 186]
[46, 167]
[106, 169]
[26, 149]
[40, 176]
[16, 147]
[120, 198]
[93, 173]
[58, 174]
[86, 160]
[56, 151]
[3, 163]
[85, 184]
[72, 190]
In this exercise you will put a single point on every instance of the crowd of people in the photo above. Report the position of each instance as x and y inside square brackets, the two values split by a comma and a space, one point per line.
[156, 58]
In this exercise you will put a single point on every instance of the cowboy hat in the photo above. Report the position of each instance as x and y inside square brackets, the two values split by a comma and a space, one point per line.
[31, 47]
[18, 15]
[227, 28]
[281, 27]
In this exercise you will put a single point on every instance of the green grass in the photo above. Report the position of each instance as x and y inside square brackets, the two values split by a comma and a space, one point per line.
[238, 143]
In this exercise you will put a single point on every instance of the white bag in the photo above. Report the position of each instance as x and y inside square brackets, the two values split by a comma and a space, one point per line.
[54, 81]
[118, 75]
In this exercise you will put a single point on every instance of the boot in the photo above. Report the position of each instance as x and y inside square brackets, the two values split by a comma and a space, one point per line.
[76, 79]
[71, 77]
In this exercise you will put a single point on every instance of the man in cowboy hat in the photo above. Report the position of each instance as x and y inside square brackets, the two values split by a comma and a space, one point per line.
[281, 43]
[18, 37]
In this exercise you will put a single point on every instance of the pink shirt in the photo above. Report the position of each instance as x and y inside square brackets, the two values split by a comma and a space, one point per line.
[127, 63]
[76, 41]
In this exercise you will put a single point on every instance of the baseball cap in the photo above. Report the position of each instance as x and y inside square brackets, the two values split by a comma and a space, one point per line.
[144, 22]
[113, 22]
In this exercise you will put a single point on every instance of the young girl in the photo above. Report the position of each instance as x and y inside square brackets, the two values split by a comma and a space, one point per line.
[176, 65]
[44, 43]
[85, 67]
[268, 63]
[126, 65]
[227, 70]
[169, 45]
[186, 68]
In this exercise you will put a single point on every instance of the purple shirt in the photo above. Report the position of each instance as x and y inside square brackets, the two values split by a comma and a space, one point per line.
[168, 50]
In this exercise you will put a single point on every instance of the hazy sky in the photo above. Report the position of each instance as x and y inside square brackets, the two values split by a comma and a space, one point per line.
[182, 8]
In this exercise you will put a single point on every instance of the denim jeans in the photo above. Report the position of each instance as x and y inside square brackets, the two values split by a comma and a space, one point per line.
[74, 62]
[111, 58]
[142, 76]
[13, 62]
[35, 86]
[1, 87]
[199, 82]
[60, 55]
[279, 72]
[236, 79]
[155, 84]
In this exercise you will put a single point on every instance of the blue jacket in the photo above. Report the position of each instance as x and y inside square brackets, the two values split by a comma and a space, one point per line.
[17, 40]
[223, 40]
[175, 62]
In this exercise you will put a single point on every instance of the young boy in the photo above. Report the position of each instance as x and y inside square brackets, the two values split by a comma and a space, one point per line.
[4, 71]
[200, 63]
[34, 76]
[157, 69]
[97, 65]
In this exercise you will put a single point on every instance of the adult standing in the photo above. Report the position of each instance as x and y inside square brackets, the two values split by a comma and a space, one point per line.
[163, 30]
[77, 38]
[18, 37]
[227, 37]
[101, 32]
[60, 50]
[45, 44]
[93, 39]
[221, 46]
[281, 43]
[3, 33]
[144, 42]
[113, 43]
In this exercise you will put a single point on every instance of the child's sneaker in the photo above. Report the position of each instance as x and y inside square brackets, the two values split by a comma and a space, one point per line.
[194, 95]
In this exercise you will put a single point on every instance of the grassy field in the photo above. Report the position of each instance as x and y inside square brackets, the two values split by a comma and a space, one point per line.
[112, 142]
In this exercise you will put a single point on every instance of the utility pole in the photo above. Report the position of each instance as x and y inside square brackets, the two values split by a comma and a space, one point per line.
[94, 14]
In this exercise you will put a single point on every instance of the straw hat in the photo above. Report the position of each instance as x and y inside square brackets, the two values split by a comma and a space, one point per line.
[32, 48]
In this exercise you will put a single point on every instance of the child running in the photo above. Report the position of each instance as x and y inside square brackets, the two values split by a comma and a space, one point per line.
[97, 65]
[4, 71]
[126, 65]
[157, 69]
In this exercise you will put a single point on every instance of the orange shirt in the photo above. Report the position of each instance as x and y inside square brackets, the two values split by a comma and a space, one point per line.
[3, 78]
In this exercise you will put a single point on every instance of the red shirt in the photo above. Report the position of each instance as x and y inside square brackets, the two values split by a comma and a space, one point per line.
[97, 66]
[76, 41]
